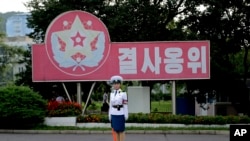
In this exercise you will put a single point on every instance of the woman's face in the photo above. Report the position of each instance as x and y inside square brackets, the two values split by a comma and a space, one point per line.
[116, 86]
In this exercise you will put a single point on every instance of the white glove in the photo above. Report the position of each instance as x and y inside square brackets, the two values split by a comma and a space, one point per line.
[126, 117]
[125, 111]
[109, 116]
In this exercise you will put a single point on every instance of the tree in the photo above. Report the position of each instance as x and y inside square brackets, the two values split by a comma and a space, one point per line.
[151, 20]
[226, 24]
[9, 55]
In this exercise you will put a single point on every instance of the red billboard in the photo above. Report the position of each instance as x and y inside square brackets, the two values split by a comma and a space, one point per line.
[77, 48]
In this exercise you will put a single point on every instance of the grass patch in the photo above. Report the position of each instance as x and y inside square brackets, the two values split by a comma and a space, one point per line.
[161, 106]
[156, 106]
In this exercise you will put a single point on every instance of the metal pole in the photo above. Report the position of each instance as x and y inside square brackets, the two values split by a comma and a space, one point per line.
[79, 97]
[66, 92]
[86, 103]
[173, 98]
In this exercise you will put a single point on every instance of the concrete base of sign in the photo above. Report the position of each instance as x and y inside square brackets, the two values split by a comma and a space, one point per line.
[60, 121]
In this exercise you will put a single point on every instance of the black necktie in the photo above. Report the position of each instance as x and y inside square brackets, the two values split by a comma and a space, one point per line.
[115, 92]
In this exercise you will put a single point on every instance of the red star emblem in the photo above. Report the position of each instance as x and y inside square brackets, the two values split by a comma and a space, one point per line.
[78, 39]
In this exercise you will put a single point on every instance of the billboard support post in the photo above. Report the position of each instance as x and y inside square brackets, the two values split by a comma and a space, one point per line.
[66, 91]
[79, 96]
[173, 98]
[86, 103]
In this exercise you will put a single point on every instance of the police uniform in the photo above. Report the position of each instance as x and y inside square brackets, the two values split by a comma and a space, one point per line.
[118, 110]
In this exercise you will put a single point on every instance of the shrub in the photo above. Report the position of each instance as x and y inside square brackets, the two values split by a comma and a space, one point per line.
[168, 118]
[63, 109]
[21, 107]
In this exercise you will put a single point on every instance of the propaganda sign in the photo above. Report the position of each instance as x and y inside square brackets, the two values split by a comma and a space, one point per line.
[78, 48]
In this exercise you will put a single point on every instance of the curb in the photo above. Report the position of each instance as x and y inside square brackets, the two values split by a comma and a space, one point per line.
[151, 125]
[204, 132]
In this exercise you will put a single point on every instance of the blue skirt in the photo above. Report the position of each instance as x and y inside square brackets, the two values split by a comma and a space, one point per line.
[118, 123]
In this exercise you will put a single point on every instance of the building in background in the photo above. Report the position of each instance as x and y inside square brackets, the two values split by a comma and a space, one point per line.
[16, 25]
[16, 36]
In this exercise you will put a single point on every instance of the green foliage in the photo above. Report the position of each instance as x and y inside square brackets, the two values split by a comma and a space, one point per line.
[21, 107]
[229, 38]
[158, 15]
[236, 60]
[63, 109]
[93, 106]
[161, 106]
[9, 56]
[167, 118]
[156, 106]
[25, 77]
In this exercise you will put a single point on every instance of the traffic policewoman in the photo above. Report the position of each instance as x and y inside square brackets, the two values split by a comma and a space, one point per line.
[118, 108]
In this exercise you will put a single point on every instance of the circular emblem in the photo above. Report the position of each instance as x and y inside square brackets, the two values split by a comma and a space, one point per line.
[77, 43]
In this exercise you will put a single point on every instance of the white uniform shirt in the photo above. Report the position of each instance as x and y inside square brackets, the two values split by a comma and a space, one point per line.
[118, 98]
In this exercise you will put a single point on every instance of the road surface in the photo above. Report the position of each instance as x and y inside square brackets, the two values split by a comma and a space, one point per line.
[108, 137]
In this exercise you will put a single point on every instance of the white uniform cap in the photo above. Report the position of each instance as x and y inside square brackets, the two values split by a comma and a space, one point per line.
[116, 79]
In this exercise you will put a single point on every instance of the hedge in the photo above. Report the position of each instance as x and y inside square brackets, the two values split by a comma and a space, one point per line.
[168, 118]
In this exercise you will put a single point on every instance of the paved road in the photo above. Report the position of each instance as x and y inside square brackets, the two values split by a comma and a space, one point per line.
[107, 137]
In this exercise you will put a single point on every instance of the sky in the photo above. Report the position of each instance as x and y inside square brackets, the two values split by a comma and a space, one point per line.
[13, 5]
